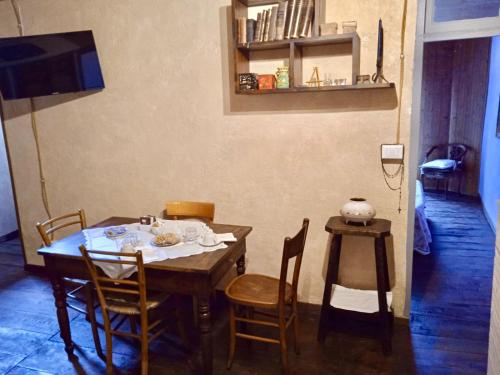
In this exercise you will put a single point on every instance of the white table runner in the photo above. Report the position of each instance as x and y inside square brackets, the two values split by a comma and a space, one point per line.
[95, 239]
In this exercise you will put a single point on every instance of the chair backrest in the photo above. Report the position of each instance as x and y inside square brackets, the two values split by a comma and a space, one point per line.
[125, 292]
[454, 151]
[185, 210]
[292, 248]
[48, 227]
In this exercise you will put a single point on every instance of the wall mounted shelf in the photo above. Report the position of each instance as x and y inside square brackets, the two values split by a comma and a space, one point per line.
[292, 52]
[371, 86]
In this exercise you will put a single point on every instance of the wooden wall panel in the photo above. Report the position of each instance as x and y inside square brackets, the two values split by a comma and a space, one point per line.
[454, 87]
[468, 104]
[436, 95]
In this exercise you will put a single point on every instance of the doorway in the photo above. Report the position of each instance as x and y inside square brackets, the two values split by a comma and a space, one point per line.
[453, 257]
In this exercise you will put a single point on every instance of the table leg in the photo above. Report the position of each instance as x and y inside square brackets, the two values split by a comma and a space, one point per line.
[382, 284]
[205, 333]
[331, 278]
[62, 313]
[240, 265]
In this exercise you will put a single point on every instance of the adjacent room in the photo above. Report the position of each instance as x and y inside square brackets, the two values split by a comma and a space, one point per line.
[456, 191]
[228, 187]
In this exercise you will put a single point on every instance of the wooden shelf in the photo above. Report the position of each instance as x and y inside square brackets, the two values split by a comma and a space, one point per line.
[360, 87]
[294, 51]
[306, 42]
[254, 3]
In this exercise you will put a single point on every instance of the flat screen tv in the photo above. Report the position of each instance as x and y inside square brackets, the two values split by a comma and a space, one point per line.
[40, 65]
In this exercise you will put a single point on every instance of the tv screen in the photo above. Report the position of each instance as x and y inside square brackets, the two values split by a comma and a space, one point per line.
[49, 64]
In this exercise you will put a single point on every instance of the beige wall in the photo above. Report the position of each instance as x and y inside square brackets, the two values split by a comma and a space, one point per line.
[494, 348]
[167, 126]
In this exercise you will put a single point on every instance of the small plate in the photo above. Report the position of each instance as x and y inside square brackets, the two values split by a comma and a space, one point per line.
[163, 244]
[115, 232]
[205, 245]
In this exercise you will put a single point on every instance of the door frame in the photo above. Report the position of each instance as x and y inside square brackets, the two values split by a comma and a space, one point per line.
[455, 30]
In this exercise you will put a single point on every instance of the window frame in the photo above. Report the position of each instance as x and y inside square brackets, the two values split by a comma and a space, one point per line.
[459, 29]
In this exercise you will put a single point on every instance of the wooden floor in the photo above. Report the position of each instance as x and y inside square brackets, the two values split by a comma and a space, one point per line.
[449, 321]
[451, 293]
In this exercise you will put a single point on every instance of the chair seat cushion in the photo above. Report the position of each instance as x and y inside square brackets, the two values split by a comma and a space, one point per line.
[123, 305]
[440, 164]
[256, 290]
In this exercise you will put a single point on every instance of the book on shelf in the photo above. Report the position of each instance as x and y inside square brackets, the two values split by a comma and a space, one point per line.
[258, 26]
[306, 21]
[241, 31]
[265, 26]
[300, 10]
[272, 26]
[286, 20]
[280, 20]
[251, 24]
[291, 7]
[268, 25]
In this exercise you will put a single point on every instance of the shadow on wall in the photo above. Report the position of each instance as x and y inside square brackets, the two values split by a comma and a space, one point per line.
[333, 101]
[21, 107]
[357, 262]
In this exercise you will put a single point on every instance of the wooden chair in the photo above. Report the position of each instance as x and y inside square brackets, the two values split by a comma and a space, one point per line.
[126, 297]
[190, 210]
[179, 210]
[451, 153]
[47, 230]
[253, 291]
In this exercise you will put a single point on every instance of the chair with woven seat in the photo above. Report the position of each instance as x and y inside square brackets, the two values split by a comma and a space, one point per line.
[190, 210]
[442, 162]
[47, 229]
[275, 297]
[127, 297]
[179, 210]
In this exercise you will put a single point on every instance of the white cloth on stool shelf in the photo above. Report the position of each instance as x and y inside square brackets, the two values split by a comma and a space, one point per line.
[95, 239]
[365, 301]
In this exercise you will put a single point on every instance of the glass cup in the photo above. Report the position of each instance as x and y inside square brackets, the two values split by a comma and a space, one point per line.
[328, 80]
[190, 234]
[209, 239]
[129, 242]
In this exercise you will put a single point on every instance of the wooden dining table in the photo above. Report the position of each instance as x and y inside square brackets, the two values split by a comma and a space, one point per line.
[195, 275]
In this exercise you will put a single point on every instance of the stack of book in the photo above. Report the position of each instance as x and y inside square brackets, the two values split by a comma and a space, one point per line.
[288, 20]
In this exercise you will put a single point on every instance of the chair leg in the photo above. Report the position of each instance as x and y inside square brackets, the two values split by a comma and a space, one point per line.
[296, 326]
[181, 324]
[109, 345]
[283, 346]
[133, 324]
[89, 300]
[232, 336]
[144, 345]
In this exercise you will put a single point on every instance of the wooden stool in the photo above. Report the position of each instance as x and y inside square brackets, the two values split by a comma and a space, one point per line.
[379, 229]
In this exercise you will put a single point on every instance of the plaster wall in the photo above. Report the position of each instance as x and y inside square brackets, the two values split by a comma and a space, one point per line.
[168, 126]
[8, 220]
[489, 183]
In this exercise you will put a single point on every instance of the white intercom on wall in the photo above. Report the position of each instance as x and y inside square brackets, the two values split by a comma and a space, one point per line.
[392, 153]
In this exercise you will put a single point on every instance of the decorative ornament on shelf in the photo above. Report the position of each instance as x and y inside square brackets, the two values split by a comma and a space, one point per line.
[266, 81]
[328, 28]
[282, 78]
[349, 27]
[358, 210]
[314, 81]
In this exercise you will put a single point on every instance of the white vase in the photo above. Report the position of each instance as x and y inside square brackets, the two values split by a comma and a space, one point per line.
[358, 210]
